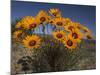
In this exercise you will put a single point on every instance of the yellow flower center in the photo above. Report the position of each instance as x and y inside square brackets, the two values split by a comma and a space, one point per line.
[32, 43]
[69, 43]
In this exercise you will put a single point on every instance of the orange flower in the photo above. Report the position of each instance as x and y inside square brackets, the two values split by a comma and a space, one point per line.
[59, 35]
[42, 17]
[76, 35]
[55, 12]
[59, 22]
[29, 22]
[70, 43]
[17, 34]
[32, 42]
[68, 21]
[69, 27]
[89, 36]
[85, 29]
[19, 25]
[77, 25]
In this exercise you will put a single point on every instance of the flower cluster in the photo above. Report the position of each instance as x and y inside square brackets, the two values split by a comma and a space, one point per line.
[68, 32]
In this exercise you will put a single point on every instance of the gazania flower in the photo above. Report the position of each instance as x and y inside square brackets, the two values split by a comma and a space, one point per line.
[17, 34]
[55, 12]
[76, 35]
[70, 27]
[19, 25]
[32, 41]
[29, 22]
[59, 35]
[89, 36]
[68, 21]
[85, 29]
[42, 17]
[87, 32]
[77, 25]
[70, 43]
[59, 21]
[51, 21]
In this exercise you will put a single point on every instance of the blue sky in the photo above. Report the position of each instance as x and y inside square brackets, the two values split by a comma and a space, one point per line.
[86, 15]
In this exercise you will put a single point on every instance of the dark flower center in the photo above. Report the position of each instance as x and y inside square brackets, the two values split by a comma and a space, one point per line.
[69, 43]
[59, 23]
[59, 35]
[78, 27]
[42, 19]
[51, 22]
[85, 30]
[33, 25]
[19, 35]
[32, 43]
[55, 14]
[21, 26]
[75, 35]
[89, 37]
[70, 28]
